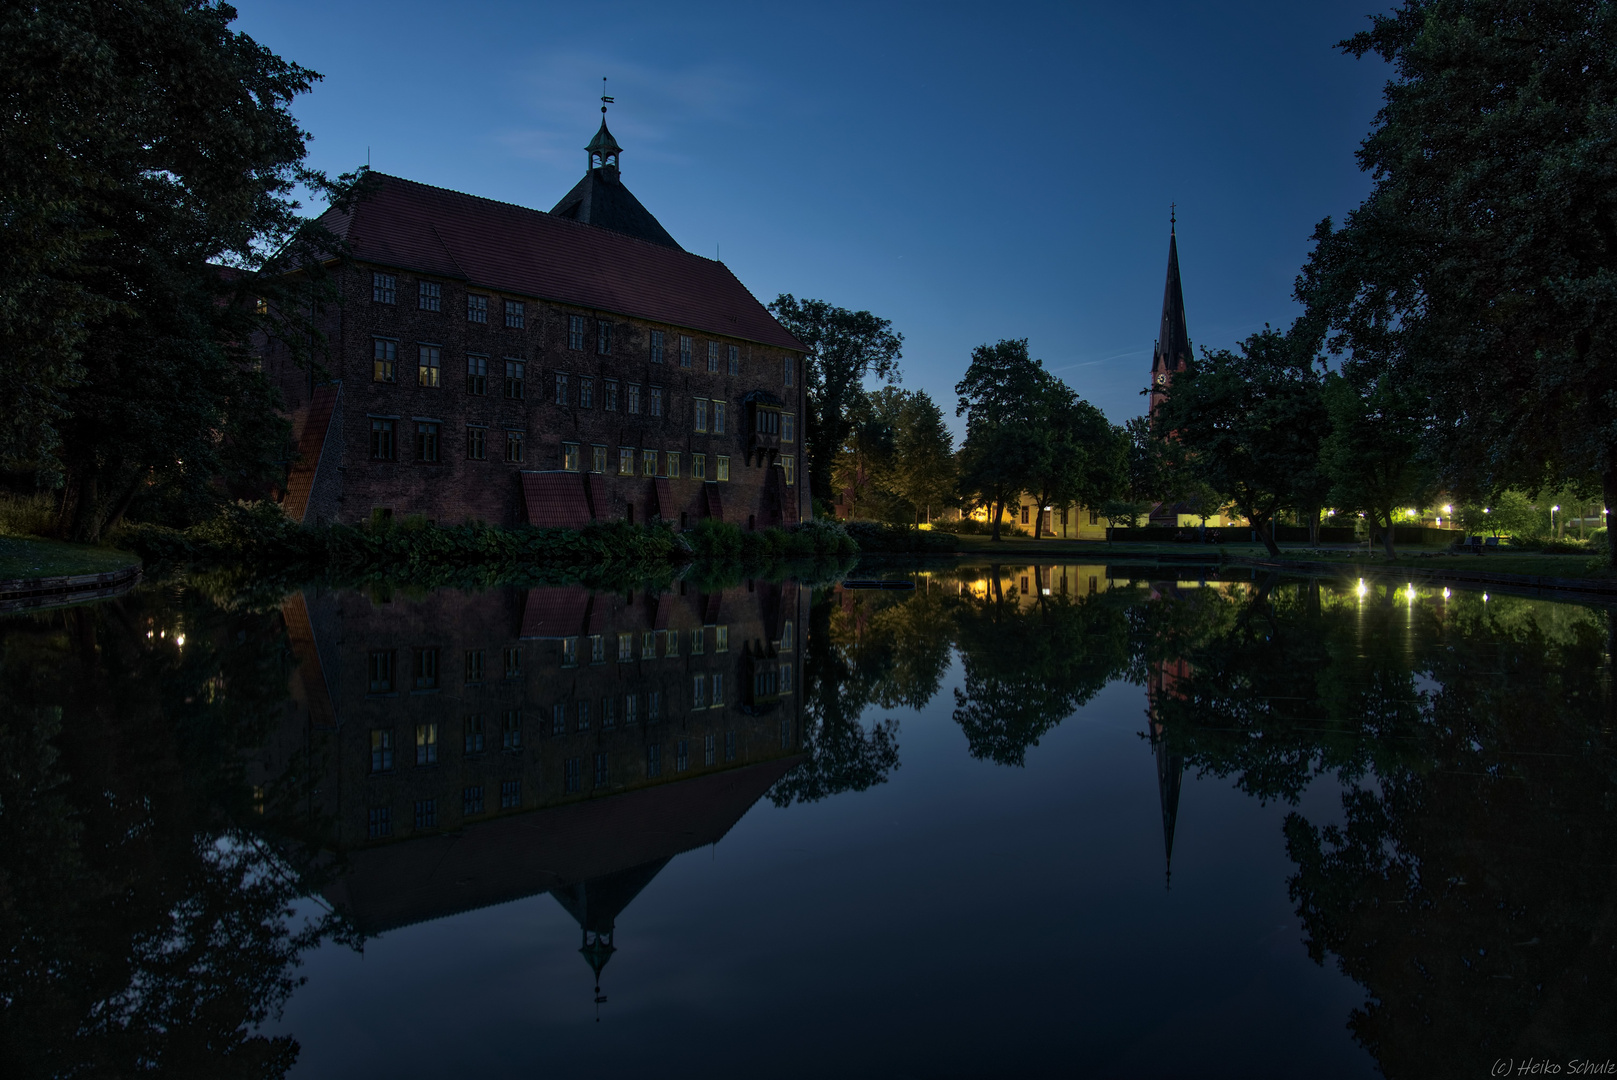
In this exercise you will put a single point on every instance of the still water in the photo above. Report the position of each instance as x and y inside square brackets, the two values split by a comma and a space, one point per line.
[1021, 820]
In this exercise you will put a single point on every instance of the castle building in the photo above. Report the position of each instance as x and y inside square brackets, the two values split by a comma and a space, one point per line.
[498, 363]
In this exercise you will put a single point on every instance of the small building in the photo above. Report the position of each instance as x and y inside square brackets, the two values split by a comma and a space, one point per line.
[498, 363]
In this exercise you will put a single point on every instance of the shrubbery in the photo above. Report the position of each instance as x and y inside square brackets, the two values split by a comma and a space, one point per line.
[260, 535]
[877, 537]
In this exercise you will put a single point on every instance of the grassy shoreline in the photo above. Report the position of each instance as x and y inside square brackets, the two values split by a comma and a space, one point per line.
[31, 558]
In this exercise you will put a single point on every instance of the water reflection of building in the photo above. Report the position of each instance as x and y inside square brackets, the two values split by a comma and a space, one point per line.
[479, 748]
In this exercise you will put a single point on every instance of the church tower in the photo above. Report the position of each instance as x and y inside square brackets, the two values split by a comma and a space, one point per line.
[1173, 339]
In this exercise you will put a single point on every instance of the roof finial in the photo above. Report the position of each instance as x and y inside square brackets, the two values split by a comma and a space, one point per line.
[1173, 207]
[605, 101]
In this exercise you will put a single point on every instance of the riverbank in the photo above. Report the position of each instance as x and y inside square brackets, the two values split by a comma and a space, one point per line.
[37, 573]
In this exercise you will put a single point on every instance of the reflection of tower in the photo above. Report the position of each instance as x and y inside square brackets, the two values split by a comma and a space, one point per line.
[1161, 681]
[596, 905]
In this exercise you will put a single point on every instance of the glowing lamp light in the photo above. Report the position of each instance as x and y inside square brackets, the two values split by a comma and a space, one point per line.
[1363, 590]
[1485, 510]
[1484, 598]
[179, 639]
[1447, 509]
[1409, 592]
[1445, 594]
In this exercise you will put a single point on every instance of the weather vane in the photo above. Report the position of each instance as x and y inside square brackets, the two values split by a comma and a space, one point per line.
[605, 101]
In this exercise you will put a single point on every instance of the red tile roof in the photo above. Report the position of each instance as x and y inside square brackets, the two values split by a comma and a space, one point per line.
[514, 249]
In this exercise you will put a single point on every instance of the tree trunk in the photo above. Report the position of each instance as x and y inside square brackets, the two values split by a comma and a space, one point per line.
[1265, 528]
[1386, 536]
[996, 510]
[1038, 520]
[86, 526]
[1608, 484]
[1313, 526]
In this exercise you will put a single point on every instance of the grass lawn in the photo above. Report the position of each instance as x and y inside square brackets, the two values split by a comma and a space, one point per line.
[1530, 563]
[31, 557]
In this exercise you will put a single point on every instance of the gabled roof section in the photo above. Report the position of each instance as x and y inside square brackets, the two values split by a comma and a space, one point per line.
[519, 250]
[600, 199]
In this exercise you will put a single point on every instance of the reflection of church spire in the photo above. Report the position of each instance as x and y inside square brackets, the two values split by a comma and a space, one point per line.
[1170, 774]
[597, 950]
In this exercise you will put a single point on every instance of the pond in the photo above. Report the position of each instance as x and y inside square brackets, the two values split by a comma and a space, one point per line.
[1017, 820]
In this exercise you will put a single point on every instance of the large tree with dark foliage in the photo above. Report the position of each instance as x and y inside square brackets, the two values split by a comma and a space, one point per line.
[1247, 424]
[149, 168]
[844, 347]
[1000, 398]
[1484, 263]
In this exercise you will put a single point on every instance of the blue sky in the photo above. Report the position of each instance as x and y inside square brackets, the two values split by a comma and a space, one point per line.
[971, 172]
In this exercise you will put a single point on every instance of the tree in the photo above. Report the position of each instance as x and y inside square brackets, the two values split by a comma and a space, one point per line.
[1246, 424]
[1083, 459]
[146, 144]
[999, 397]
[844, 348]
[1373, 454]
[924, 472]
[1481, 264]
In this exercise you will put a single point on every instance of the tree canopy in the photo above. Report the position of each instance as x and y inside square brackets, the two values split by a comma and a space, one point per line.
[1483, 265]
[151, 162]
[844, 348]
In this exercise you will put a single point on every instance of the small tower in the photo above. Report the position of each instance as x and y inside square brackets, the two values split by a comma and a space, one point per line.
[603, 150]
[1172, 348]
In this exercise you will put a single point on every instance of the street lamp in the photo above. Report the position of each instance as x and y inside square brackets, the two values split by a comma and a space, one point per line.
[1553, 509]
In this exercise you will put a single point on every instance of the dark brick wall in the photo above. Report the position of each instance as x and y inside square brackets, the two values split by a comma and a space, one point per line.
[457, 488]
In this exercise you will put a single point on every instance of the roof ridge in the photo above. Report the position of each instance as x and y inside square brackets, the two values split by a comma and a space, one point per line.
[548, 214]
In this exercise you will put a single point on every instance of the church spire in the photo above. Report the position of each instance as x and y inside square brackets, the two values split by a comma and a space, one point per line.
[604, 150]
[1173, 339]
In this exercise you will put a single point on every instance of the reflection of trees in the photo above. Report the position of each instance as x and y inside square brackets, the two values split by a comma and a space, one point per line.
[144, 923]
[1471, 886]
[864, 649]
[1025, 669]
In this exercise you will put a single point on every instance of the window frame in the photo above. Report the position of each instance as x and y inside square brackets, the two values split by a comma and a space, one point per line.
[513, 446]
[476, 443]
[385, 360]
[575, 332]
[384, 288]
[477, 308]
[516, 315]
[476, 374]
[656, 346]
[384, 441]
[429, 296]
[516, 378]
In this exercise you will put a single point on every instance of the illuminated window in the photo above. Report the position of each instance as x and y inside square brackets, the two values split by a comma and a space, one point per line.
[428, 366]
[385, 356]
[570, 456]
[789, 467]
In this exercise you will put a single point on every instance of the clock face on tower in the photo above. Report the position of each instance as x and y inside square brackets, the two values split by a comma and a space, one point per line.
[1162, 378]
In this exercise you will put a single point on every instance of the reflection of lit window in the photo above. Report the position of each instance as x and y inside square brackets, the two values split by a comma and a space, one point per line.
[625, 647]
[381, 750]
[426, 744]
[786, 636]
[569, 651]
[718, 688]
[721, 639]
[699, 692]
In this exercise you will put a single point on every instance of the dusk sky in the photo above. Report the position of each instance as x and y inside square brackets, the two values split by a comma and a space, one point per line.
[971, 172]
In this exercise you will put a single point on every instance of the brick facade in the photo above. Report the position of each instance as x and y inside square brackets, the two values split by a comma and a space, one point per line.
[463, 400]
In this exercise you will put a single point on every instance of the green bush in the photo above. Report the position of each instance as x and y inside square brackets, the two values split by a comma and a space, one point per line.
[878, 537]
[725, 541]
